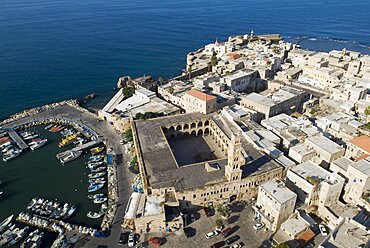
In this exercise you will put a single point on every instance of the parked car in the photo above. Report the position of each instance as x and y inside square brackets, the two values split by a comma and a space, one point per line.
[207, 211]
[232, 239]
[156, 241]
[123, 238]
[237, 245]
[227, 231]
[218, 244]
[212, 234]
[192, 217]
[189, 232]
[323, 230]
[258, 226]
[131, 240]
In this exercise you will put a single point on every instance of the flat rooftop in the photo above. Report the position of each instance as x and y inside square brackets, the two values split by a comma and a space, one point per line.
[278, 190]
[310, 169]
[325, 144]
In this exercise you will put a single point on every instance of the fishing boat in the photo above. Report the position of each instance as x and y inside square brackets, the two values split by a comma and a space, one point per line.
[99, 169]
[68, 140]
[70, 157]
[96, 175]
[97, 180]
[97, 150]
[100, 200]
[94, 215]
[5, 222]
[96, 196]
[95, 187]
[33, 240]
[38, 144]
[49, 126]
[13, 154]
[33, 136]
[19, 235]
[93, 166]
[70, 212]
[8, 148]
[96, 158]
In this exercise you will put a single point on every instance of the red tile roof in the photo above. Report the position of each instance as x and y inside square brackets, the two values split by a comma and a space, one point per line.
[362, 142]
[200, 95]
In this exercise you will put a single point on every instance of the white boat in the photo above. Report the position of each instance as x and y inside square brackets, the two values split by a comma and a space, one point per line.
[19, 235]
[8, 148]
[96, 196]
[96, 175]
[12, 155]
[33, 240]
[94, 215]
[70, 212]
[99, 169]
[97, 180]
[31, 137]
[38, 144]
[95, 187]
[70, 157]
[100, 200]
[5, 222]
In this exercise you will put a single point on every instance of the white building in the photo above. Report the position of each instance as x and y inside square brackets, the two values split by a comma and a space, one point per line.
[275, 203]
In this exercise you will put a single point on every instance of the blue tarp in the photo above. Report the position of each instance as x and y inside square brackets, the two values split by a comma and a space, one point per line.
[109, 159]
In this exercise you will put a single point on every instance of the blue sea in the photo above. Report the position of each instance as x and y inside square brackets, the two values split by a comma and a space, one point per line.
[56, 49]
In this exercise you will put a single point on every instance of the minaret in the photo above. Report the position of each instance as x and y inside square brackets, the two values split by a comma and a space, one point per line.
[235, 159]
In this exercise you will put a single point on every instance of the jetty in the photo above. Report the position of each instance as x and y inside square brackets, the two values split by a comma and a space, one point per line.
[17, 139]
[79, 148]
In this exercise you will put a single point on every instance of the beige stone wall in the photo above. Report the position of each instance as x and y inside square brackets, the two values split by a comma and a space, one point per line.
[225, 191]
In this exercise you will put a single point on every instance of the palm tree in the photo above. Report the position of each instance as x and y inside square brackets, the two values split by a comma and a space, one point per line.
[189, 71]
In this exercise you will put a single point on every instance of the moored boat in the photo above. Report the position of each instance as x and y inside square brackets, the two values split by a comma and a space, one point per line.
[97, 150]
[96, 175]
[100, 200]
[95, 187]
[94, 215]
[38, 144]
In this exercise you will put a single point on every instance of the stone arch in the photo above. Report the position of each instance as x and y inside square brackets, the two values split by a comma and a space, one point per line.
[200, 132]
[193, 125]
[200, 124]
[206, 123]
[186, 133]
[165, 129]
[178, 128]
[171, 129]
[193, 133]
[186, 126]
[206, 131]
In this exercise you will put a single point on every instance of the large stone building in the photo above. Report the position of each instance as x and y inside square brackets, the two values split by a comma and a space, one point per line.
[285, 100]
[222, 167]
[197, 101]
[358, 148]
[275, 203]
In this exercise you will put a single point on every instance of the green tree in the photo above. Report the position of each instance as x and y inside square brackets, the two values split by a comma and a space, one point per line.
[214, 60]
[160, 80]
[219, 223]
[128, 135]
[170, 90]
[134, 165]
[128, 91]
[190, 70]
[282, 245]
[367, 111]
[223, 210]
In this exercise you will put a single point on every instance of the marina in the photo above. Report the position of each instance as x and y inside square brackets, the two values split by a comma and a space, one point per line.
[51, 217]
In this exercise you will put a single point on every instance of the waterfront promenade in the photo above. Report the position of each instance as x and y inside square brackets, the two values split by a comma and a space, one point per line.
[111, 138]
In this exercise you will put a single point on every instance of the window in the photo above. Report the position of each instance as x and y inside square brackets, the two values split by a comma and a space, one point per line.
[194, 196]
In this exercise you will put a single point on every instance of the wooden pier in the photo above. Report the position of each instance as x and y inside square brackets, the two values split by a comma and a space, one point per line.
[17, 139]
[79, 148]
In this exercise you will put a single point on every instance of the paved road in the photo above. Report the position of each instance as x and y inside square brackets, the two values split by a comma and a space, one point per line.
[111, 138]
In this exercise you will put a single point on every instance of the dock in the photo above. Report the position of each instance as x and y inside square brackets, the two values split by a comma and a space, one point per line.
[79, 148]
[17, 139]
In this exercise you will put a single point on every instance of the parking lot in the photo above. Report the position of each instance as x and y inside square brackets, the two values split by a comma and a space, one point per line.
[241, 218]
